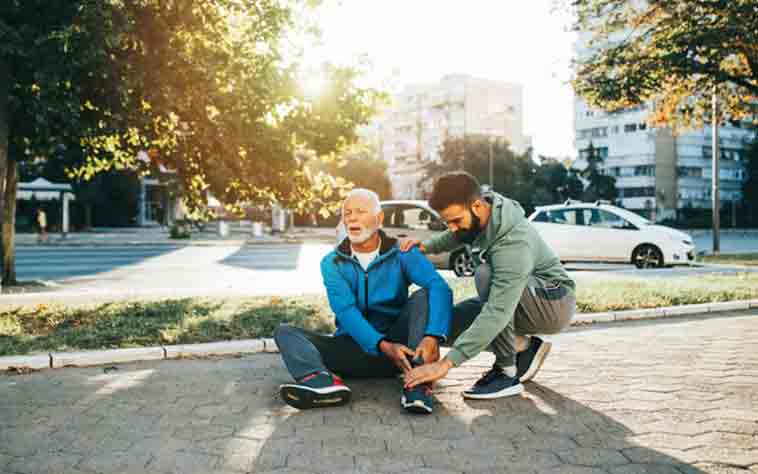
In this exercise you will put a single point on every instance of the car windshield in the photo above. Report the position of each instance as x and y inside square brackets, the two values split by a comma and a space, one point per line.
[635, 219]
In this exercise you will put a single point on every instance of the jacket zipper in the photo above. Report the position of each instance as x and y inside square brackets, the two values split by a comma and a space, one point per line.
[365, 288]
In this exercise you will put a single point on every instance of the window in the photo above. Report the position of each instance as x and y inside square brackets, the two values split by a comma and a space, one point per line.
[564, 216]
[648, 191]
[605, 219]
[689, 172]
[647, 170]
[409, 217]
[615, 129]
[642, 126]
[734, 154]
[630, 127]
[602, 152]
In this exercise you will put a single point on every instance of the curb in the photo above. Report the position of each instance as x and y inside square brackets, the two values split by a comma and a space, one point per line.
[55, 360]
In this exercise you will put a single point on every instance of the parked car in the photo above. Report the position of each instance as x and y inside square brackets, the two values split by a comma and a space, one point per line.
[413, 219]
[599, 231]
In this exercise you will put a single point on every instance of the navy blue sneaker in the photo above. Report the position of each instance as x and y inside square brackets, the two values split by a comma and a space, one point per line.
[529, 362]
[319, 389]
[494, 384]
[419, 398]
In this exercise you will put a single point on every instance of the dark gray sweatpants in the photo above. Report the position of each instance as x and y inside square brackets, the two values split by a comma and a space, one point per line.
[543, 309]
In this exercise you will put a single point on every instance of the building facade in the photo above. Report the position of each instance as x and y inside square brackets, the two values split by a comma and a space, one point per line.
[657, 172]
[411, 132]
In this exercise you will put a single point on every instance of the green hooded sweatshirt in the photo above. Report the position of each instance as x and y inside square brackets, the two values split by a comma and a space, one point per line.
[515, 252]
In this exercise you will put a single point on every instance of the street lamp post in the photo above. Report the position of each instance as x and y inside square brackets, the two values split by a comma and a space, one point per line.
[715, 173]
[492, 172]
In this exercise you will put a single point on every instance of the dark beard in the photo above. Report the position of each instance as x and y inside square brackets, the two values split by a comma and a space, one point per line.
[469, 235]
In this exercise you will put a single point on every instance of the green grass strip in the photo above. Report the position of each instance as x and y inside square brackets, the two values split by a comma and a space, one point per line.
[26, 330]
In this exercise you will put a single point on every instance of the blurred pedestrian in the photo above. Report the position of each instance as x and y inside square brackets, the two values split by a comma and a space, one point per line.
[41, 226]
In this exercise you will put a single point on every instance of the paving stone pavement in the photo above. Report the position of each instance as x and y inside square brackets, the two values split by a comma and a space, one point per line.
[672, 396]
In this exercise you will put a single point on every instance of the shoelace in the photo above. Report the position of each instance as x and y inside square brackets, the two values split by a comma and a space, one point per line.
[489, 376]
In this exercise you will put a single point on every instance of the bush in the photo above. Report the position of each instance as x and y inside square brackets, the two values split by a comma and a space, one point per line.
[180, 230]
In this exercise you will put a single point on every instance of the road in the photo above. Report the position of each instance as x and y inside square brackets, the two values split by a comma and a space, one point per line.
[121, 272]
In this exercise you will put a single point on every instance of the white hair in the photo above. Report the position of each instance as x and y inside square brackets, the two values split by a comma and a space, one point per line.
[367, 194]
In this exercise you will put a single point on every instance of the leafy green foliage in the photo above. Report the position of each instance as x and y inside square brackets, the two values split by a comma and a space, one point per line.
[600, 186]
[674, 53]
[210, 88]
[516, 176]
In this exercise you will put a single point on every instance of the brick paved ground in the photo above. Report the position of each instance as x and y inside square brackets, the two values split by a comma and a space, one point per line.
[656, 397]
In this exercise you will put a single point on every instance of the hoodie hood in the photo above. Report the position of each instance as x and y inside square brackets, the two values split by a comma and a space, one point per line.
[505, 215]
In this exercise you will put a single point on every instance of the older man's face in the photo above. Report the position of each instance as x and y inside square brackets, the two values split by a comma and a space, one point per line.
[361, 222]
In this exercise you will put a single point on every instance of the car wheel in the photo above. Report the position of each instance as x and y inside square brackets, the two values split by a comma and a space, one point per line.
[462, 263]
[647, 256]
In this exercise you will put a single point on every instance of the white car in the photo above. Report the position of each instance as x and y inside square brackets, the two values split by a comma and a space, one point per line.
[413, 219]
[581, 231]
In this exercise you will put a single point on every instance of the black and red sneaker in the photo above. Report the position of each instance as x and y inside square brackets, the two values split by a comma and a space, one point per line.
[319, 389]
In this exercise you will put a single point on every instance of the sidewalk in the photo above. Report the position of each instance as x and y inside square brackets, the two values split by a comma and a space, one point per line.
[239, 234]
[676, 396]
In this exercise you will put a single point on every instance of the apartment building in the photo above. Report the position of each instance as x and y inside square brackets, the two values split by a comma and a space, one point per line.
[422, 116]
[657, 172]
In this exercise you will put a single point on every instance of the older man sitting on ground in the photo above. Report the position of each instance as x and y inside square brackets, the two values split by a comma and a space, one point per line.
[381, 332]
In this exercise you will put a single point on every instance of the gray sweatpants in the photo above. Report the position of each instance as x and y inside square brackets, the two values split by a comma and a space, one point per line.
[542, 309]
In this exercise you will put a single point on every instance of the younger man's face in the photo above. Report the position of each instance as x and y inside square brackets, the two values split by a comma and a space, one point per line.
[463, 221]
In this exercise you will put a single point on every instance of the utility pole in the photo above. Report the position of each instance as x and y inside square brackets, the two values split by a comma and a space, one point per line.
[492, 173]
[715, 172]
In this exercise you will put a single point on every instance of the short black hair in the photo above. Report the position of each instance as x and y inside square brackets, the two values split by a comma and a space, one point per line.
[455, 187]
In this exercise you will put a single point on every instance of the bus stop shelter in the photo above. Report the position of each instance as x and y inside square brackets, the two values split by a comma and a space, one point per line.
[43, 190]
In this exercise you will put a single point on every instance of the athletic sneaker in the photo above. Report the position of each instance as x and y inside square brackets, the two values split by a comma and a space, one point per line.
[419, 398]
[528, 362]
[319, 389]
[494, 384]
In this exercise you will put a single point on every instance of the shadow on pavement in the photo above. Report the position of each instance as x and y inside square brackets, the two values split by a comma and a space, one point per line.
[60, 263]
[541, 431]
[273, 257]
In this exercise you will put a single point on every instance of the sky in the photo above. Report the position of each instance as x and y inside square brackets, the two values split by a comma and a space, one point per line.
[414, 41]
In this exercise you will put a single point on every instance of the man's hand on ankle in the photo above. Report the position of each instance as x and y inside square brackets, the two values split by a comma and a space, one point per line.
[397, 353]
[428, 349]
[428, 373]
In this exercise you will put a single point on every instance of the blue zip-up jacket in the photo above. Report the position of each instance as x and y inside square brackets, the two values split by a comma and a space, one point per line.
[367, 303]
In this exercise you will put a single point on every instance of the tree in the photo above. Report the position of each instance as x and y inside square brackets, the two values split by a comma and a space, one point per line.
[208, 87]
[674, 53]
[51, 58]
[599, 186]
[750, 186]
[554, 183]
[358, 166]
[516, 176]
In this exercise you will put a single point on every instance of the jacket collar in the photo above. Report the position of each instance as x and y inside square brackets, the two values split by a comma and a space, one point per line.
[388, 243]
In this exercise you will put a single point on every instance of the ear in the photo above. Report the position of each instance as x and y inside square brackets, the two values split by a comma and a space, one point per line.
[380, 219]
[476, 207]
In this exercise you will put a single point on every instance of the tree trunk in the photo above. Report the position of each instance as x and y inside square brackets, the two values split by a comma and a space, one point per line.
[4, 133]
[9, 223]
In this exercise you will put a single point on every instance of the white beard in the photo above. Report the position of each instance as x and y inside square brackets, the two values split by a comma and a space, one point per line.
[365, 234]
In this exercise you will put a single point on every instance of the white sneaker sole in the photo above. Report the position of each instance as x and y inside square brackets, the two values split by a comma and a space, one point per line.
[304, 397]
[506, 392]
[416, 406]
[539, 359]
